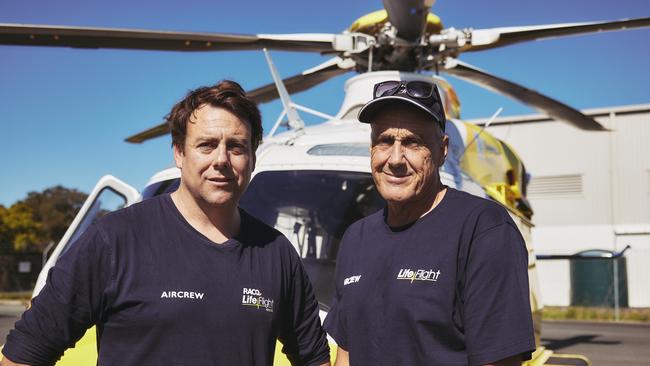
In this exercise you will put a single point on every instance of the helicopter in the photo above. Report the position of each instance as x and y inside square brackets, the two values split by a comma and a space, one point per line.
[404, 41]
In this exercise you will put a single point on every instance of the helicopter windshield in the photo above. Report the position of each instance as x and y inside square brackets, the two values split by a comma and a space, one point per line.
[313, 209]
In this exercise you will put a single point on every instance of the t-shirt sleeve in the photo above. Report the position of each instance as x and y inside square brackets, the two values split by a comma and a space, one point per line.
[303, 338]
[496, 305]
[68, 305]
[334, 323]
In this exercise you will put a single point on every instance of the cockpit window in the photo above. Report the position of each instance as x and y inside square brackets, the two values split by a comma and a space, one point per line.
[313, 209]
[165, 186]
[345, 149]
[108, 200]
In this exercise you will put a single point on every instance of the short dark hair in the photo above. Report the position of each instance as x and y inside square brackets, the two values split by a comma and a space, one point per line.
[225, 94]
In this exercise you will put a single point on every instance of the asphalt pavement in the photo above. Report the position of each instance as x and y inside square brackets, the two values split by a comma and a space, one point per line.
[9, 312]
[603, 343]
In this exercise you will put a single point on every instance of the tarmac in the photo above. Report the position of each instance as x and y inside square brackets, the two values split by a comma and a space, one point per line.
[10, 311]
[604, 343]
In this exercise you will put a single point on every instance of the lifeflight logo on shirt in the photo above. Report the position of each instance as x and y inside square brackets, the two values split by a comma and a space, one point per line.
[418, 275]
[253, 297]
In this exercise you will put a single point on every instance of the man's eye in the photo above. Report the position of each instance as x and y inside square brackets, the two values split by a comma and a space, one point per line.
[237, 148]
[411, 143]
[207, 146]
[384, 142]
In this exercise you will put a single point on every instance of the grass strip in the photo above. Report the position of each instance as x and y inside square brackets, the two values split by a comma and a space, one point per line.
[595, 313]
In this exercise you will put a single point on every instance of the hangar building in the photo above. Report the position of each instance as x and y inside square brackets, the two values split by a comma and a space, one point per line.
[588, 190]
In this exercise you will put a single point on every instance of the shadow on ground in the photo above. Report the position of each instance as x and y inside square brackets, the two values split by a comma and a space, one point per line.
[561, 343]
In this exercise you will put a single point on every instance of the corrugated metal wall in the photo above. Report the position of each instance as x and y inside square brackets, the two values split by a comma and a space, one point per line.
[631, 146]
[585, 185]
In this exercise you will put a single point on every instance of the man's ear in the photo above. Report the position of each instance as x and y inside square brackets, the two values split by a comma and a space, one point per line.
[444, 149]
[179, 156]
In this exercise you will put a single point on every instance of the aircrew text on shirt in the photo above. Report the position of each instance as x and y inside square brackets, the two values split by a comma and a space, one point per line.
[351, 279]
[181, 295]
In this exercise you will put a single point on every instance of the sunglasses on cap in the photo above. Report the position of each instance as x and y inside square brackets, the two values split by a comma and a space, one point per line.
[414, 89]
[421, 94]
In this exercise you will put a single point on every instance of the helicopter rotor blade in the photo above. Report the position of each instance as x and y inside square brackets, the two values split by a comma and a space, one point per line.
[85, 37]
[294, 84]
[553, 108]
[408, 17]
[305, 80]
[153, 132]
[483, 39]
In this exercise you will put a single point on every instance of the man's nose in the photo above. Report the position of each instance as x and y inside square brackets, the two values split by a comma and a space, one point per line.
[221, 158]
[396, 154]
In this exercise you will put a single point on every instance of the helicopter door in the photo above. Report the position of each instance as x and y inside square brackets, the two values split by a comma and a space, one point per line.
[109, 194]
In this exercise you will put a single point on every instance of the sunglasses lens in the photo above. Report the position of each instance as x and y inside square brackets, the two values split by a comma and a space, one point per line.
[385, 87]
[419, 89]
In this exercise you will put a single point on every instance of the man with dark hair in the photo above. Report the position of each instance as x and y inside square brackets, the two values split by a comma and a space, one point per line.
[187, 278]
[228, 95]
[439, 277]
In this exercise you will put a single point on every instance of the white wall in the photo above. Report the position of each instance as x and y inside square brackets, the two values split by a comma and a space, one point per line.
[638, 266]
[615, 171]
[555, 282]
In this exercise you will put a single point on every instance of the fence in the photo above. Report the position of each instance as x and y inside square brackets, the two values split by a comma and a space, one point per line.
[598, 278]
[18, 271]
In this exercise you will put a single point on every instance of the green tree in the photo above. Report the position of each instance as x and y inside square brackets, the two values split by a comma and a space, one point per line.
[42, 217]
[5, 236]
[54, 209]
[21, 229]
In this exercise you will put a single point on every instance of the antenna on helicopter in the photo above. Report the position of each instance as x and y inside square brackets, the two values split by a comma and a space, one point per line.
[294, 120]
[495, 115]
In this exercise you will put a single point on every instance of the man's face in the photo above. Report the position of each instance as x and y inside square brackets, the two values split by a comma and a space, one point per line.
[217, 160]
[407, 150]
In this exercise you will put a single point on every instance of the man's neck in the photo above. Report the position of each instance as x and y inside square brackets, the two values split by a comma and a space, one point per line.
[400, 214]
[217, 223]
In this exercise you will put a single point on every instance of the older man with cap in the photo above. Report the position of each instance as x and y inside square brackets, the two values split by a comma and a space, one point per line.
[439, 277]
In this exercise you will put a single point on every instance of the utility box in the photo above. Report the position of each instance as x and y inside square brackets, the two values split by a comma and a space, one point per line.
[593, 279]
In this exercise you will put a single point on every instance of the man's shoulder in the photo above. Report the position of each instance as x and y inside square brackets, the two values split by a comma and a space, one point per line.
[369, 222]
[466, 201]
[134, 216]
[360, 230]
[485, 212]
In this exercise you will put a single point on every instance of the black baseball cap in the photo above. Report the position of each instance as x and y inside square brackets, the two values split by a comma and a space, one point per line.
[421, 94]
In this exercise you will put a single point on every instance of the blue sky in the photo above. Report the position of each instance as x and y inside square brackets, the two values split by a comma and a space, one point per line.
[64, 113]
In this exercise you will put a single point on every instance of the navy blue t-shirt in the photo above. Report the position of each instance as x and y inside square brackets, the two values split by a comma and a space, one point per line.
[161, 293]
[449, 289]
